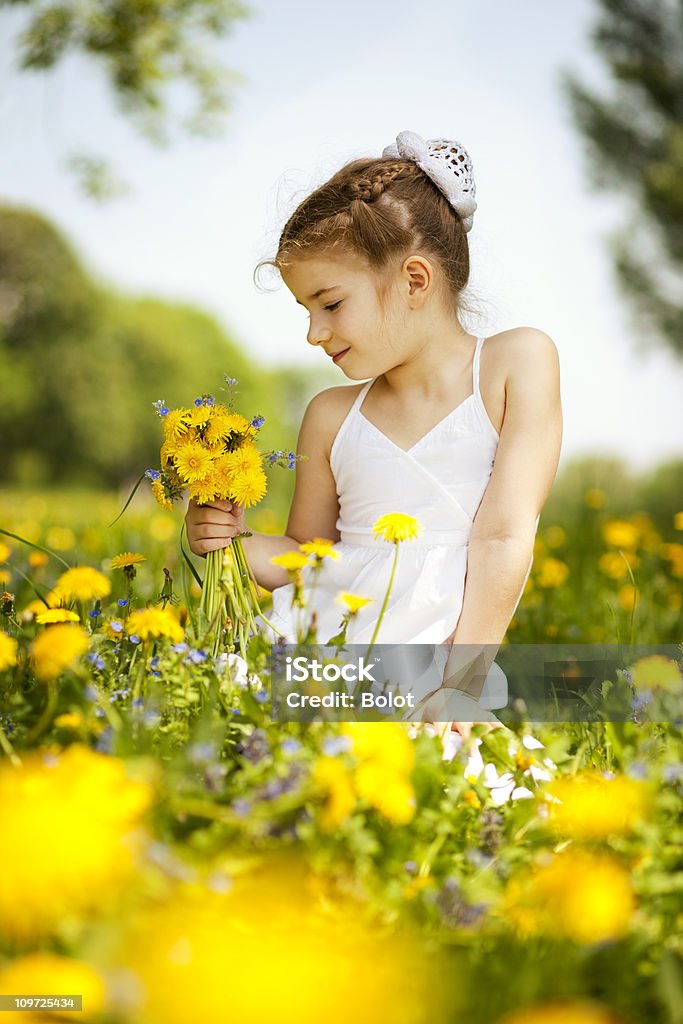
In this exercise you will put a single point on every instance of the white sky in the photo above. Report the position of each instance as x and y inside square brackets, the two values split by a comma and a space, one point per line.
[325, 84]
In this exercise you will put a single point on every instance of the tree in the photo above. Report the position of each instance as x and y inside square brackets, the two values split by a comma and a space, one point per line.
[634, 144]
[143, 47]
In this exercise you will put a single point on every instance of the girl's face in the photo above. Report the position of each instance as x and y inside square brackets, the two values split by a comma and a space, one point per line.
[347, 318]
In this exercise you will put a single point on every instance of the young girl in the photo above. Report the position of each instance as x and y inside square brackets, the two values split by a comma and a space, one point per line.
[461, 432]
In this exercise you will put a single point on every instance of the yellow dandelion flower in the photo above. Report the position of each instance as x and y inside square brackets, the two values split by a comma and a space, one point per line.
[205, 491]
[160, 495]
[126, 560]
[199, 415]
[148, 623]
[5, 577]
[613, 565]
[32, 609]
[61, 538]
[37, 559]
[193, 462]
[595, 498]
[354, 602]
[84, 808]
[54, 650]
[83, 584]
[321, 548]
[244, 459]
[176, 423]
[553, 573]
[8, 651]
[51, 972]
[52, 615]
[678, 521]
[573, 1012]
[592, 807]
[332, 775]
[290, 560]
[248, 488]
[237, 424]
[471, 799]
[674, 554]
[5, 551]
[396, 527]
[619, 533]
[219, 427]
[656, 673]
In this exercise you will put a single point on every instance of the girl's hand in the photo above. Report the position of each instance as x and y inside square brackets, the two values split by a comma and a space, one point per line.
[211, 527]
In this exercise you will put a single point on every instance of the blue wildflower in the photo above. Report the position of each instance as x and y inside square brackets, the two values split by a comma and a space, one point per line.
[198, 402]
[258, 421]
[336, 745]
[97, 662]
[138, 702]
[117, 626]
[152, 474]
[241, 807]
[161, 407]
[181, 648]
[230, 381]
[154, 663]
[134, 638]
[290, 746]
[122, 602]
[196, 657]
[261, 696]
[95, 613]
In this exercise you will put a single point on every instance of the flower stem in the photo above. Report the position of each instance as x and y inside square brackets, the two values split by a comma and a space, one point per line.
[386, 601]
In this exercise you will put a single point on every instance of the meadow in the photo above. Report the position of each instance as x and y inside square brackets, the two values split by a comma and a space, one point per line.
[171, 852]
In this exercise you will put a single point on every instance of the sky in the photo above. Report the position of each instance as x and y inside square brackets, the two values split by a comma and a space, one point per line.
[323, 84]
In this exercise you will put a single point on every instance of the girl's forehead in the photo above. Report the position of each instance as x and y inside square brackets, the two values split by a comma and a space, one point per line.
[310, 275]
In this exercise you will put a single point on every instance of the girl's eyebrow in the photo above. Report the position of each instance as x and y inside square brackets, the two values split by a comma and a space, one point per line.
[321, 292]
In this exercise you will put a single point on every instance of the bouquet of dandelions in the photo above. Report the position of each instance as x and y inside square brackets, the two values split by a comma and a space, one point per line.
[209, 451]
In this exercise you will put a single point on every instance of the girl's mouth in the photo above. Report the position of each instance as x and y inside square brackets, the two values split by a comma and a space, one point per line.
[339, 355]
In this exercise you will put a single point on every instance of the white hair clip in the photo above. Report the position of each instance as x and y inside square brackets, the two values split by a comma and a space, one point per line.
[447, 163]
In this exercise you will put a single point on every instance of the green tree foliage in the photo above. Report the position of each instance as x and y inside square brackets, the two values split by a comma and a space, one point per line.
[142, 46]
[80, 367]
[634, 145]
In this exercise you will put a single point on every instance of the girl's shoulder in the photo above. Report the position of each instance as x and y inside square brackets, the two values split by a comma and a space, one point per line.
[329, 408]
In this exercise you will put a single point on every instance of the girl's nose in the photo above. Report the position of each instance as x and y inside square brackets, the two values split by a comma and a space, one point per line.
[318, 335]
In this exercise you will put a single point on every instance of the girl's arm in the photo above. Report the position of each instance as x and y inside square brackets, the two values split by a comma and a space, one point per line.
[502, 539]
[313, 513]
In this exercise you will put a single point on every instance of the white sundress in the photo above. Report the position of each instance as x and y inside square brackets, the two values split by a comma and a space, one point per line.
[440, 480]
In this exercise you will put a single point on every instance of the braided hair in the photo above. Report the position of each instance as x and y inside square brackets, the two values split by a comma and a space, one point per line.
[379, 210]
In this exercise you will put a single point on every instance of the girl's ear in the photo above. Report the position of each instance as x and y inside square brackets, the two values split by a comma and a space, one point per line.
[418, 277]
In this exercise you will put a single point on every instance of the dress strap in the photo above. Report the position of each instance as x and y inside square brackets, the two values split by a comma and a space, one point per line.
[361, 395]
[347, 420]
[475, 367]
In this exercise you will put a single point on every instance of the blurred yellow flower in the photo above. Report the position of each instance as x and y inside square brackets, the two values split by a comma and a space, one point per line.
[553, 573]
[626, 596]
[55, 649]
[656, 673]
[615, 564]
[593, 807]
[326, 960]
[69, 720]
[82, 584]
[5, 577]
[674, 554]
[149, 623]
[555, 536]
[45, 973]
[574, 1012]
[678, 521]
[471, 799]
[5, 551]
[37, 559]
[334, 777]
[583, 895]
[385, 742]
[619, 533]
[354, 602]
[61, 538]
[126, 560]
[290, 560]
[385, 789]
[594, 498]
[51, 615]
[82, 807]
[321, 548]
[8, 651]
[396, 527]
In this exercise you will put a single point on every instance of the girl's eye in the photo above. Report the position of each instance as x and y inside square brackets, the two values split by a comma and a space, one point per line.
[334, 305]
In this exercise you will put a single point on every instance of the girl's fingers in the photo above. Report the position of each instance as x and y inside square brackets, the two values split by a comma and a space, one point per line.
[219, 503]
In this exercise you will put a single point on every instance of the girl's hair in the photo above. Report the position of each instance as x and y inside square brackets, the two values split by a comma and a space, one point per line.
[381, 210]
